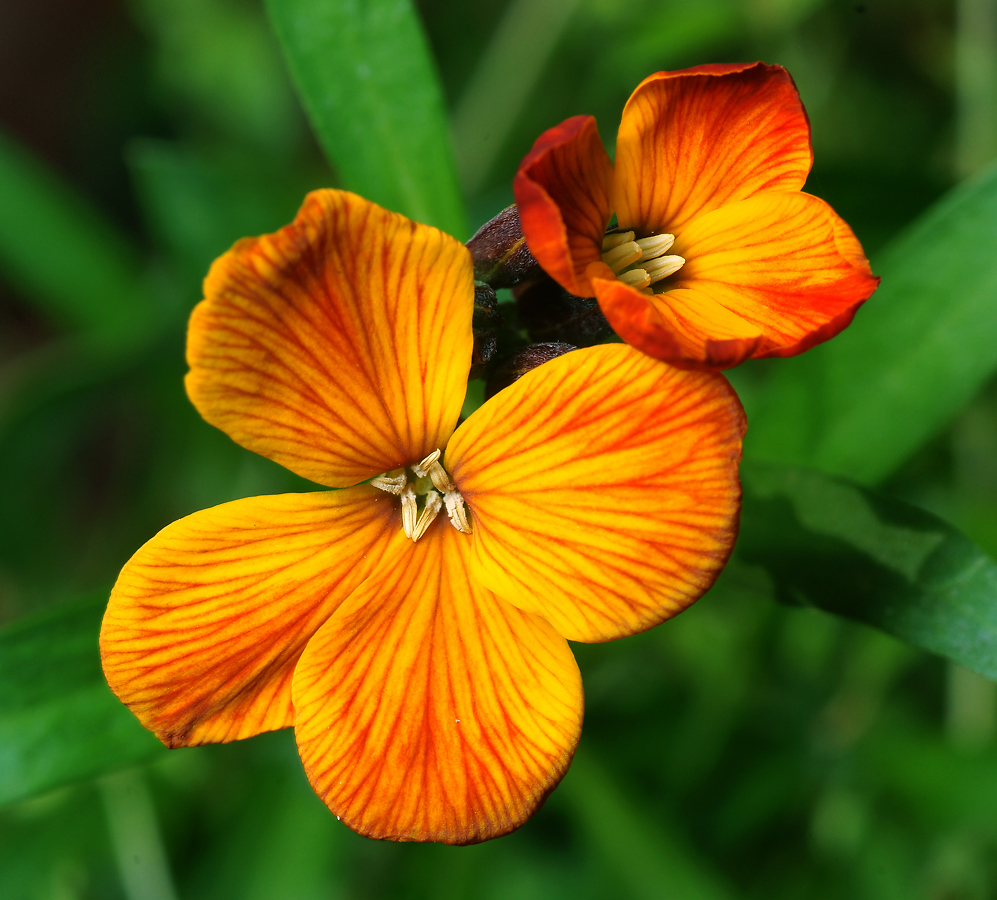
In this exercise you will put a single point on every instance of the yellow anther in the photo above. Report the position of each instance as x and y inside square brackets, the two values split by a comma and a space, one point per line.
[636, 278]
[615, 239]
[410, 511]
[393, 484]
[620, 257]
[422, 469]
[434, 503]
[441, 481]
[457, 511]
[424, 489]
[662, 267]
[655, 245]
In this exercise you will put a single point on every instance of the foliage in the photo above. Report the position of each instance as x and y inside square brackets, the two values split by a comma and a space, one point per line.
[747, 748]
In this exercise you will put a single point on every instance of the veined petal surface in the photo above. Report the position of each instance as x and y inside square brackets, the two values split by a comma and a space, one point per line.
[693, 140]
[562, 191]
[208, 619]
[338, 346]
[430, 709]
[682, 327]
[603, 489]
[785, 263]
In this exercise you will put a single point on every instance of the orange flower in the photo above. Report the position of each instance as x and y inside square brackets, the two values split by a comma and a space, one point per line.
[411, 624]
[718, 256]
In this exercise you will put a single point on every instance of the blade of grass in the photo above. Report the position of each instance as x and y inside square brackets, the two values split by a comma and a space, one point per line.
[367, 80]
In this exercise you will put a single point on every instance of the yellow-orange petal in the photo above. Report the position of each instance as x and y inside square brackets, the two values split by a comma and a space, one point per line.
[208, 619]
[603, 489]
[784, 263]
[685, 328]
[338, 346]
[562, 191]
[691, 141]
[429, 709]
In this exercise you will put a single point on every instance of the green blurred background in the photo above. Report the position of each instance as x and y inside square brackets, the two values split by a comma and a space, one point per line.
[744, 750]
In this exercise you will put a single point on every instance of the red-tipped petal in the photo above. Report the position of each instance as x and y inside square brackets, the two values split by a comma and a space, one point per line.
[769, 276]
[562, 191]
[338, 346]
[694, 140]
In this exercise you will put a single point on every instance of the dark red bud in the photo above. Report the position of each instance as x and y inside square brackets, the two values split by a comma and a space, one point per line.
[485, 321]
[501, 257]
[524, 361]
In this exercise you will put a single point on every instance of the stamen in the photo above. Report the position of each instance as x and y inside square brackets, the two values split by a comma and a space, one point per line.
[655, 245]
[441, 481]
[422, 469]
[620, 257]
[457, 511]
[615, 239]
[429, 481]
[410, 511]
[434, 502]
[636, 278]
[663, 266]
[393, 484]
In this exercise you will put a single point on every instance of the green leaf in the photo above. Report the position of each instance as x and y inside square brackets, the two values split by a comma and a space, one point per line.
[198, 204]
[917, 351]
[60, 252]
[59, 721]
[838, 546]
[651, 857]
[367, 80]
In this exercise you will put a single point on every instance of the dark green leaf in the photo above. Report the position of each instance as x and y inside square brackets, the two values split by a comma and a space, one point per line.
[62, 254]
[366, 77]
[917, 351]
[837, 546]
[59, 721]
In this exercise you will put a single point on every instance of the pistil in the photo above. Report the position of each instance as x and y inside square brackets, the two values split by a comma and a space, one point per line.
[640, 262]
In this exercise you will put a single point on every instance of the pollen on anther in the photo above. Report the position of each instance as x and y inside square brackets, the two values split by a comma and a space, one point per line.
[622, 256]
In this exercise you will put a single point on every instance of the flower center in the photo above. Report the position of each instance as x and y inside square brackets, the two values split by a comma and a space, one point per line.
[640, 262]
[425, 488]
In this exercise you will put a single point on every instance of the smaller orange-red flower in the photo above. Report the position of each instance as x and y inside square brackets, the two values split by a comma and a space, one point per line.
[717, 255]
[412, 624]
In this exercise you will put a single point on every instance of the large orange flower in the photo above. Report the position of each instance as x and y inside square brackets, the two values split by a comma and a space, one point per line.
[411, 625]
[718, 256]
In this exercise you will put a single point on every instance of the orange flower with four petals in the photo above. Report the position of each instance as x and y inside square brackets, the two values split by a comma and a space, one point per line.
[412, 623]
[717, 255]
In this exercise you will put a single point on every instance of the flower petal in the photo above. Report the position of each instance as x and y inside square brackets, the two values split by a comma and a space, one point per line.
[682, 327]
[338, 346]
[769, 276]
[562, 191]
[694, 140]
[208, 619]
[603, 489]
[429, 709]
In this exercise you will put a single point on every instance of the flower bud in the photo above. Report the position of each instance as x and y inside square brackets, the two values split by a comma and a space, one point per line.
[485, 322]
[498, 248]
[524, 361]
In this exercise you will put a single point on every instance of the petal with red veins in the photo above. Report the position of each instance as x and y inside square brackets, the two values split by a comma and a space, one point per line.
[429, 709]
[694, 140]
[603, 489]
[562, 191]
[338, 346]
[207, 619]
[786, 264]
